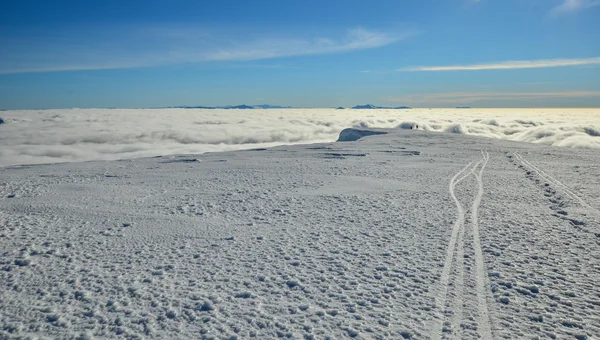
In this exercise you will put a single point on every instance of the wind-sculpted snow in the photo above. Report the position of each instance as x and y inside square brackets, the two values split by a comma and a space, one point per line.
[406, 235]
[354, 134]
[51, 136]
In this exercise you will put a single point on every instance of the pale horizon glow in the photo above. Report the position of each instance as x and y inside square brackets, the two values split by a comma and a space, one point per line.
[472, 97]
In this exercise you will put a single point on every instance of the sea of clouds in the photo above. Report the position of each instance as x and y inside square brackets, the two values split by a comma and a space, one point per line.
[49, 136]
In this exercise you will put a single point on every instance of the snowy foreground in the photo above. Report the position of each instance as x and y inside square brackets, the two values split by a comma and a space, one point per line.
[412, 234]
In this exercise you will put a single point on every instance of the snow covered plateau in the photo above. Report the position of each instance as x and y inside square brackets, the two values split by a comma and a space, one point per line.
[402, 234]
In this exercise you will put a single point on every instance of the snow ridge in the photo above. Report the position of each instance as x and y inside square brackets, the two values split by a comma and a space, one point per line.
[353, 134]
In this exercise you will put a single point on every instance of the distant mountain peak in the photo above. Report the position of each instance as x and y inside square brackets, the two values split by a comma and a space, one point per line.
[371, 106]
[242, 106]
[366, 106]
[268, 106]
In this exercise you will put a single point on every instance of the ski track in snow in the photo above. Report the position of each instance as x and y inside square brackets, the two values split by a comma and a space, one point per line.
[484, 319]
[436, 330]
[457, 305]
[327, 241]
[455, 262]
[554, 181]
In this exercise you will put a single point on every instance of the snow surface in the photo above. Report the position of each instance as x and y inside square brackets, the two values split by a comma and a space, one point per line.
[354, 134]
[52, 136]
[407, 235]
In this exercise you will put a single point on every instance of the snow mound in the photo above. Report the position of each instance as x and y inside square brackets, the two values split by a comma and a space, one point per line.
[408, 125]
[353, 134]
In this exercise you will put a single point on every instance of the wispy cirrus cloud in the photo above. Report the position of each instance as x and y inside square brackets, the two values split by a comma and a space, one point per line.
[509, 65]
[356, 39]
[175, 46]
[573, 6]
[473, 97]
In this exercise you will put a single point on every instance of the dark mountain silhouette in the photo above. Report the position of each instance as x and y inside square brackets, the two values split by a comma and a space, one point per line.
[243, 106]
[370, 107]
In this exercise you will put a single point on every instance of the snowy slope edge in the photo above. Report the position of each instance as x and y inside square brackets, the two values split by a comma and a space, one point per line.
[354, 134]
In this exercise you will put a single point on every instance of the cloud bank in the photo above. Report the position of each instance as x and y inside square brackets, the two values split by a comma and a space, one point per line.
[49, 136]
[509, 65]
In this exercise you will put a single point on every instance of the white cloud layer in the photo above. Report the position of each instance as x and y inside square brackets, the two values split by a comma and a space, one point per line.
[509, 65]
[49, 136]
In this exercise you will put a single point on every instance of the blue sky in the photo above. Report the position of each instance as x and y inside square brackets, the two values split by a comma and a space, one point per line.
[444, 53]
